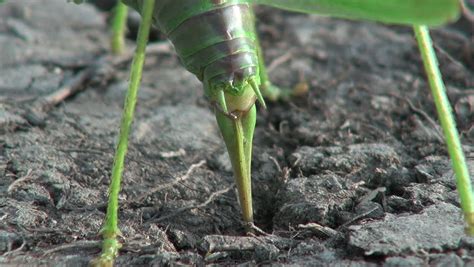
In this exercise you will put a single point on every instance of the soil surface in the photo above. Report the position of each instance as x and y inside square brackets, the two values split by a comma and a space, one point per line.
[352, 173]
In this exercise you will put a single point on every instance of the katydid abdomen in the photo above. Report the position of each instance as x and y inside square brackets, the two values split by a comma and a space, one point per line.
[216, 41]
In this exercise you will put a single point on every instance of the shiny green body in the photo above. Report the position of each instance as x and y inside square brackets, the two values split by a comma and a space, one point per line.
[215, 41]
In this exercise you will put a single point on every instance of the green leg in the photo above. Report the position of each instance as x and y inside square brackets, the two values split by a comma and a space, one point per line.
[269, 91]
[118, 27]
[449, 126]
[110, 231]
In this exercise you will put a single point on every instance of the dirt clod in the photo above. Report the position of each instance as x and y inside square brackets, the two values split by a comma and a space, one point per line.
[437, 228]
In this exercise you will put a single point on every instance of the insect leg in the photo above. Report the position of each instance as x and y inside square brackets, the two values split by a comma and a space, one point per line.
[269, 90]
[119, 27]
[110, 230]
[448, 124]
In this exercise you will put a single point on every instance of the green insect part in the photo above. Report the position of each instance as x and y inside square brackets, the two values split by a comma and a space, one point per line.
[216, 40]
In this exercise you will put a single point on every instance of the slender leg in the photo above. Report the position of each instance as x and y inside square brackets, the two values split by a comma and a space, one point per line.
[110, 231]
[449, 126]
[118, 27]
[269, 90]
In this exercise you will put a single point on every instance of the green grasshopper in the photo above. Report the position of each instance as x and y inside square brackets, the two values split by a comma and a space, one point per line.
[216, 40]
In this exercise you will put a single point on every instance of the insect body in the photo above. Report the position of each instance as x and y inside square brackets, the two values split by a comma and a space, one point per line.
[216, 40]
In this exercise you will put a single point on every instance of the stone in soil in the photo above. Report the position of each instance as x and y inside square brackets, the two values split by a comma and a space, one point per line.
[438, 228]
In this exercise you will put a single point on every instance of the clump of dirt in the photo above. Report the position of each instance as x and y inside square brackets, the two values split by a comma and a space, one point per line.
[353, 173]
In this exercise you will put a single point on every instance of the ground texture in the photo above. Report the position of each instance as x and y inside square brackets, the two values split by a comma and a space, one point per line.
[352, 173]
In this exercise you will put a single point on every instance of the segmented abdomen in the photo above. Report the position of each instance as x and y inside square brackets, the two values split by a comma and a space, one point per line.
[215, 39]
